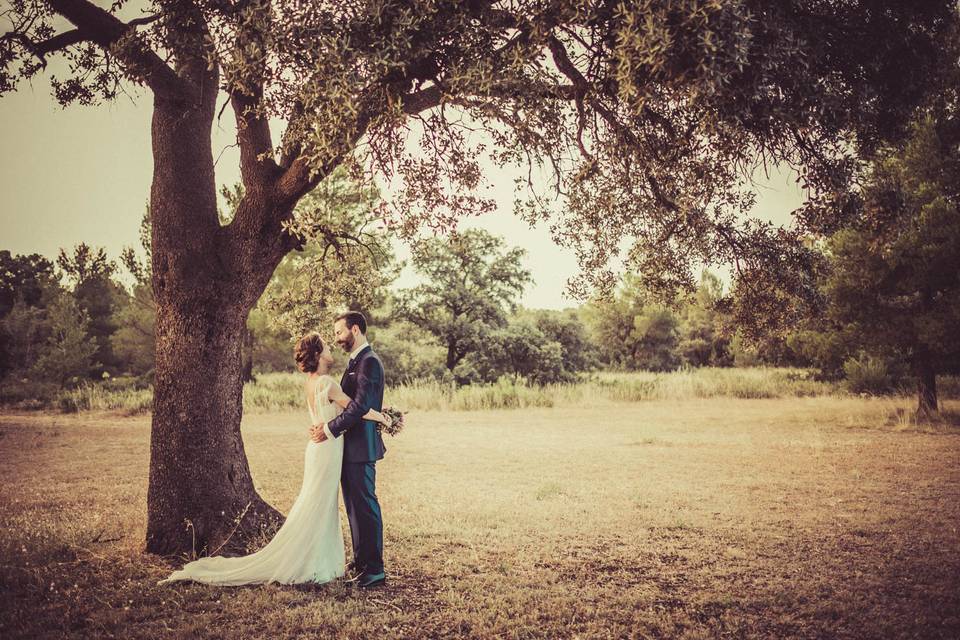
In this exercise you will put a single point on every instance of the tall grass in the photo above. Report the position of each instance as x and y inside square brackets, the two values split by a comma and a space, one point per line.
[688, 384]
[505, 394]
[617, 387]
[90, 396]
[283, 391]
[277, 391]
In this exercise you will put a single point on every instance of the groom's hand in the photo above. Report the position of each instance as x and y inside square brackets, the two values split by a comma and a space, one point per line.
[317, 434]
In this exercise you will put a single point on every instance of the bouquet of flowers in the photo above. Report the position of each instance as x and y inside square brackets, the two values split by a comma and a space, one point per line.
[396, 421]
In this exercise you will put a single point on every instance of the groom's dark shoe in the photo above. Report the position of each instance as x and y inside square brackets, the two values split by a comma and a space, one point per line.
[370, 580]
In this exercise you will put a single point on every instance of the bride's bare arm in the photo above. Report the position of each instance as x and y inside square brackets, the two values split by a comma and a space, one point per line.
[338, 396]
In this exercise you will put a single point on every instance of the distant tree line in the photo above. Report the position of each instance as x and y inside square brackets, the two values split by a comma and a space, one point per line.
[77, 321]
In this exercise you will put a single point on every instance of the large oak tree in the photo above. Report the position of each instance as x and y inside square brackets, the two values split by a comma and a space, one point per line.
[642, 118]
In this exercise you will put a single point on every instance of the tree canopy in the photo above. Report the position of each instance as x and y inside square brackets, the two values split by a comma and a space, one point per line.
[645, 119]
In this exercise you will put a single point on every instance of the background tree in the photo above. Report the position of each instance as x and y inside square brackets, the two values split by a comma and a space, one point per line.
[409, 352]
[610, 320]
[894, 283]
[820, 342]
[69, 348]
[472, 281]
[47, 344]
[633, 331]
[703, 329]
[646, 115]
[519, 350]
[654, 339]
[23, 279]
[23, 331]
[134, 342]
[91, 275]
[567, 329]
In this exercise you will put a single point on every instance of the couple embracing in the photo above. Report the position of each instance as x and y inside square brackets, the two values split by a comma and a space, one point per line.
[344, 447]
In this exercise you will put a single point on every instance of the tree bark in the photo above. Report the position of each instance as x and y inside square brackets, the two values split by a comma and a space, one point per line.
[200, 493]
[927, 406]
[246, 355]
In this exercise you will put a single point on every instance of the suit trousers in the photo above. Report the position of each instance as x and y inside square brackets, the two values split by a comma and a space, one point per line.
[358, 482]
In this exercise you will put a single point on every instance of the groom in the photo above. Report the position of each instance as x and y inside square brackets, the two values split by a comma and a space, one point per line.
[362, 446]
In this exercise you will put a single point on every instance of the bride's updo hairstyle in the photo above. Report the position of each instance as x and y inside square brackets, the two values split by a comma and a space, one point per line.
[307, 352]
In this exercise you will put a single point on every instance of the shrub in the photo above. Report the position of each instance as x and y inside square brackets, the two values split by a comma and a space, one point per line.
[867, 374]
[24, 393]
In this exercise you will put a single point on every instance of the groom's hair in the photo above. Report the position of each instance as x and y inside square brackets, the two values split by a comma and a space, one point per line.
[354, 319]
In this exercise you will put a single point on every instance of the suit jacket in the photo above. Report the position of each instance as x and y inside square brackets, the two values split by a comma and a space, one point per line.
[363, 382]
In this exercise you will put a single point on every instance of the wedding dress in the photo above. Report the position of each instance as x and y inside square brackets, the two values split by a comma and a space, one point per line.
[309, 545]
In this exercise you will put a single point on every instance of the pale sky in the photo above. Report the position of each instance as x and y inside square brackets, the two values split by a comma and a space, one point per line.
[82, 174]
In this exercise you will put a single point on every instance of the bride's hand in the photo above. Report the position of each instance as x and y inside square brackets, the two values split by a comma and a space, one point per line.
[317, 433]
[387, 420]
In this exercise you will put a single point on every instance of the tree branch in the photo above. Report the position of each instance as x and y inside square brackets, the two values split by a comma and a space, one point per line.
[582, 88]
[422, 100]
[291, 150]
[63, 40]
[42, 49]
[58, 42]
[257, 166]
[100, 26]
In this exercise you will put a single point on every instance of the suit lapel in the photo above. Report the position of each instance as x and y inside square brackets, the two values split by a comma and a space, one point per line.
[347, 382]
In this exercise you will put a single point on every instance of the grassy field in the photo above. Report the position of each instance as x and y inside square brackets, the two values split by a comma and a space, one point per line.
[805, 517]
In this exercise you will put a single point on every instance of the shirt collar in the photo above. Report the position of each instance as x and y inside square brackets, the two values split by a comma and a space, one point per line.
[357, 351]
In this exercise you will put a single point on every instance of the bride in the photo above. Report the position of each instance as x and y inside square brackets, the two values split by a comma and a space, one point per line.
[309, 545]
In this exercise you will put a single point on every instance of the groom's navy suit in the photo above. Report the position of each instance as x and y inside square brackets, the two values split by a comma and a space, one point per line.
[362, 447]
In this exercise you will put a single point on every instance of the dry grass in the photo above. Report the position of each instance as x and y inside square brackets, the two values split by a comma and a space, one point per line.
[799, 517]
[274, 392]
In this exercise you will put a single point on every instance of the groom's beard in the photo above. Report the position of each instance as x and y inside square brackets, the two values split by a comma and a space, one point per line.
[347, 344]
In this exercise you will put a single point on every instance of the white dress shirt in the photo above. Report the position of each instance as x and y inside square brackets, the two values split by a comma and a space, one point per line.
[358, 350]
[353, 356]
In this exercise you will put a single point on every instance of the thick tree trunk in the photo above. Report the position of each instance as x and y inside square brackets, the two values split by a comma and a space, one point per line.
[200, 482]
[927, 406]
